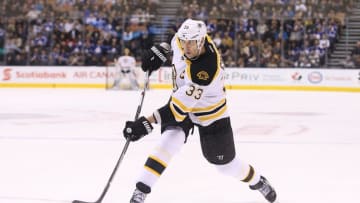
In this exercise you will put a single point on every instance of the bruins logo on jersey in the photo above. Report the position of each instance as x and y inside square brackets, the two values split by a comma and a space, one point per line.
[203, 75]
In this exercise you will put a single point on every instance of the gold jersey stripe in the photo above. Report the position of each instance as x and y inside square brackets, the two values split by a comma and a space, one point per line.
[214, 115]
[184, 108]
[209, 108]
[177, 115]
[188, 65]
[218, 56]
[179, 104]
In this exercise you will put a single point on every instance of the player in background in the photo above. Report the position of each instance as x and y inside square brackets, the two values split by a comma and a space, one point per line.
[198, 99]
[125, 66]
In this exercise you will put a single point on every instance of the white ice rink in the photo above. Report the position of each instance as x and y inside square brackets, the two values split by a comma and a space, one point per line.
[57, 145]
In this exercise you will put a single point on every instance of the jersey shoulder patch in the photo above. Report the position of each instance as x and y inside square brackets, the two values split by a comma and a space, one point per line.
[205, 68]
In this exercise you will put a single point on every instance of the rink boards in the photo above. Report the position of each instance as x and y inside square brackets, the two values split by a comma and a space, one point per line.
[236, 78]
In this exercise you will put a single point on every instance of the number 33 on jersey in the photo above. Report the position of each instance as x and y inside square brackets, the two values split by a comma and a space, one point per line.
[198, 86]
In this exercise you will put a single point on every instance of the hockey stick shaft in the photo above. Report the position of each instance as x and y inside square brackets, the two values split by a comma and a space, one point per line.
[138, 110]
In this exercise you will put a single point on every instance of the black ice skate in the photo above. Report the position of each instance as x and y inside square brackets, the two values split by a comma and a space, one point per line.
[140, 193]
[138, 197]
[265, 189]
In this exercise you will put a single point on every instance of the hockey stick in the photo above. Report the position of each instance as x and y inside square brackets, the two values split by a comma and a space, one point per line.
[138, 110]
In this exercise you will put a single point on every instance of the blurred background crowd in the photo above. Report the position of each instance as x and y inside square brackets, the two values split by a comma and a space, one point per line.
[248, 33]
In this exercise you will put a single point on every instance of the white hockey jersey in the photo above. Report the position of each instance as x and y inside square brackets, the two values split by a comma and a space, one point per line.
[126, 63]
[198, 85]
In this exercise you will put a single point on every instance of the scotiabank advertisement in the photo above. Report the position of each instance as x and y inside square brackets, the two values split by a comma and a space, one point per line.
[54, 77]
[52, 74]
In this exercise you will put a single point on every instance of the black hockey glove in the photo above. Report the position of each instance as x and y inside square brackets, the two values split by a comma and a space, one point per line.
[154, 57]
[137, 129]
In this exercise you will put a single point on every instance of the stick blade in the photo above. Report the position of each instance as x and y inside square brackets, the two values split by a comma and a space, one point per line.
[79, 201]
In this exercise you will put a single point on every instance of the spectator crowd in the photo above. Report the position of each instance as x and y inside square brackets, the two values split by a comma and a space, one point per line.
[273, 33]
[248, 33]
[73, 32]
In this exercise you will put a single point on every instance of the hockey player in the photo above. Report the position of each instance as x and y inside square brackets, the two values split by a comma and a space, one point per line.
[125, 69]
[198, 99]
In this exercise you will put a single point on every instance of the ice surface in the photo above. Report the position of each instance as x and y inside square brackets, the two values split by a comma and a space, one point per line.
[57, 145]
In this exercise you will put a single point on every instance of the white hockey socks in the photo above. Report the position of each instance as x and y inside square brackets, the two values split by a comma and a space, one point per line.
[240, 170]
[170, 144]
